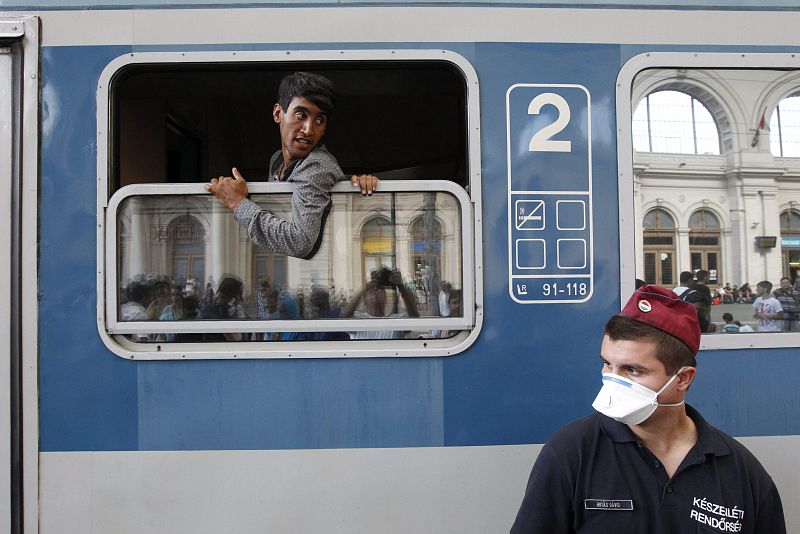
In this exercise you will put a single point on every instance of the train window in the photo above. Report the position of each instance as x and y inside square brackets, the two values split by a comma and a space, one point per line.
[712, 225]
[183, 280]
[195, 122]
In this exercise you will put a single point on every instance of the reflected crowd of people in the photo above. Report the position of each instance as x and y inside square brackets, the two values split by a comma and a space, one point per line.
[386, 294]
[775, 306]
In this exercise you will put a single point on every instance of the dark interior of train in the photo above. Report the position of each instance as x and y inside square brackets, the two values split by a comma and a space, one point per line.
[182, 123]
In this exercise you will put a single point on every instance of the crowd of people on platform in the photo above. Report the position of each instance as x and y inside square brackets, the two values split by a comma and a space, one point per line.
[775, 308]
[158, 298]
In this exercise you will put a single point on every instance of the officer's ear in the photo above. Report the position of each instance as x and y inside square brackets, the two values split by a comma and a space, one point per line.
[685, 378]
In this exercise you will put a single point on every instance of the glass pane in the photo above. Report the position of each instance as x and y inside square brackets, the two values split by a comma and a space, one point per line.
[697, 261]
[785, 138]
[677, 124]
[650, 222]
[710, 221]
[650, 267]
[666, 268]
[664, 220]
[790, 222]
[658, 239]
[711, 257]
[351, 240]
[705, 130]
[658, 219]
[641, 137]
[703, 240]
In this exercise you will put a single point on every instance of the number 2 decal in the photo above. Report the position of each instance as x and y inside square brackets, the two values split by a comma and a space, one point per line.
[541, 140]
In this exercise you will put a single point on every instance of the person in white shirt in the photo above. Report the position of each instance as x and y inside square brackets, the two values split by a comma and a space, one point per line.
[686, 280]
[768, 309]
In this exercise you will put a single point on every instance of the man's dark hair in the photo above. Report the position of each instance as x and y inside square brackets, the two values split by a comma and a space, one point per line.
[701, 276]
[670, 351]
[765, 284]
[728, 317]
[314, 87]
[686, 276]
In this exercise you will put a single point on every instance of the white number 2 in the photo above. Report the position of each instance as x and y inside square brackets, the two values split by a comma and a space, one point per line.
[541, 142]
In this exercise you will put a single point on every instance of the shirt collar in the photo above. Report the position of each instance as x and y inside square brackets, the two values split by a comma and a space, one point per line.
[709, 440]
[278, 162]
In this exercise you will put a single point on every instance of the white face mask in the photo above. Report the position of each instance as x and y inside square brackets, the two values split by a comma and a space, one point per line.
[628, 402]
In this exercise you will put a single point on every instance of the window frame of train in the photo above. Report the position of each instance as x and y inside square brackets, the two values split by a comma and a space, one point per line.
[630, 226]
[463, 330]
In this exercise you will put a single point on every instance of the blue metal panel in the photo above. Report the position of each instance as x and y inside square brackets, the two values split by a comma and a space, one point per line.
[87, 398]
[288, 404]
[748, 393]
[529, 373]
[534, 367]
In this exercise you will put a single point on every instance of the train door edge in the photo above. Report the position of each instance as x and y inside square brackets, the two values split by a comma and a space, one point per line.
[19, 149]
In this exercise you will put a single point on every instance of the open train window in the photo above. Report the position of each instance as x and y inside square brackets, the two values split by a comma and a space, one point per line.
[181, 278]
[712, 199]
[197, 121]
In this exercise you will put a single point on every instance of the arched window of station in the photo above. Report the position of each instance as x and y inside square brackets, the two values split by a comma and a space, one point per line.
[790, 243]
[704, 244]
[659, 248]
[426, 238]
[784, 127]
[186, 237]
[674, 122]
[377, 245]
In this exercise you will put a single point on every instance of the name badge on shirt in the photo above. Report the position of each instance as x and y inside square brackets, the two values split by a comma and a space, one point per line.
[608, 504]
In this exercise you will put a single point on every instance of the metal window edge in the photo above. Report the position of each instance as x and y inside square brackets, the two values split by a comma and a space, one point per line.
[471, 230]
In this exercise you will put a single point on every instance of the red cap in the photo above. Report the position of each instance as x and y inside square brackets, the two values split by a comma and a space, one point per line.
[662, 309]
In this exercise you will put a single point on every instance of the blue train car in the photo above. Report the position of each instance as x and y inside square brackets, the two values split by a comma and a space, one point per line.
[525, 186]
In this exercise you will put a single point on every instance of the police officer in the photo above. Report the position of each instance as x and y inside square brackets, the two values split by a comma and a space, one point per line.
[647, 462]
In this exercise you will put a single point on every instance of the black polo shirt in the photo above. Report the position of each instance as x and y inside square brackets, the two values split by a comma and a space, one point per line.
[594, 475]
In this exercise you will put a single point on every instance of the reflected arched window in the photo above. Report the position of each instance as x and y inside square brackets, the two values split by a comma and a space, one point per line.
[790, 223]
[674, 122]
[790, 243]
[659, 248]
[784, 127]
[187, 238]
[704, 243]
[377, 245]
[659, 220]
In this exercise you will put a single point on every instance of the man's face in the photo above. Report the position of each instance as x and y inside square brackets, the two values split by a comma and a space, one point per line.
[302, 127]
[637, 361]
[786, 285]
[761, 291]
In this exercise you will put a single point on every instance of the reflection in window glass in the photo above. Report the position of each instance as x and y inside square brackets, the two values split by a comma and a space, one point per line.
[184, 258]
[710, 214]
[785, 128]
[674, 122]
[704, 243]
[378, 238]
[659, 242]
[790, 237]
